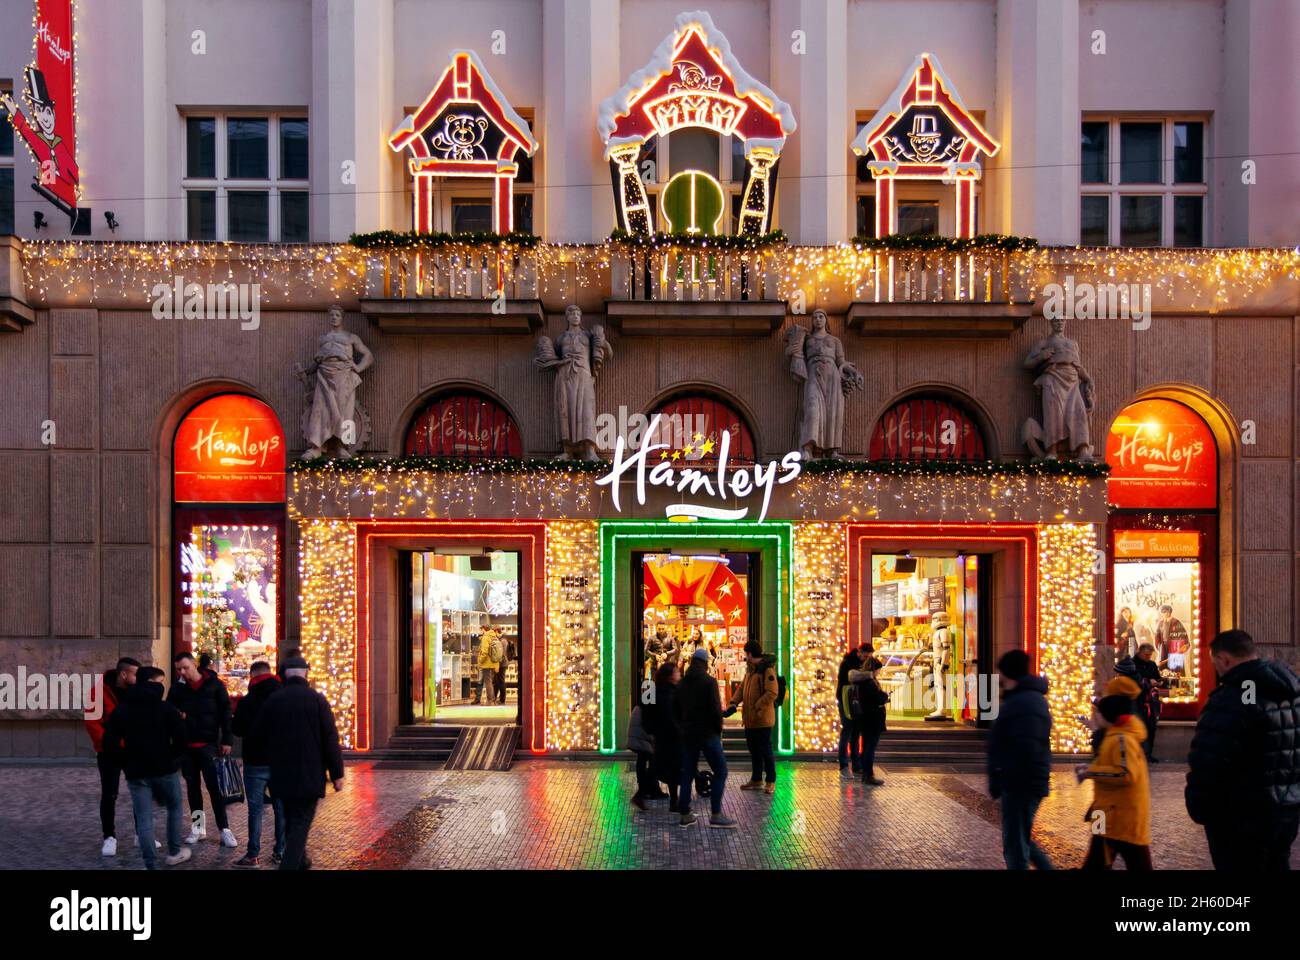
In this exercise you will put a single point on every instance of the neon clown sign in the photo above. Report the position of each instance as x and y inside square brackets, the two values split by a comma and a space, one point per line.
[694, 80]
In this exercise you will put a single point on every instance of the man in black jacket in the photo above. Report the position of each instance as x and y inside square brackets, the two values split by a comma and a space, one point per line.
[201, 698]
[146, 737]
[302, 741]
[850, 735]
[1243, 777]
[697, 708]
[1020, 756]
[1143, 670]
[262, 683]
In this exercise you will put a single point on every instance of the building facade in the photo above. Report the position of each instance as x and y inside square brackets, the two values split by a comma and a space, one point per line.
[852, 421]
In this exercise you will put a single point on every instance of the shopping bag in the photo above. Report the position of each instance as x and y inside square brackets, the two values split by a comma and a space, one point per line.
[230, 780]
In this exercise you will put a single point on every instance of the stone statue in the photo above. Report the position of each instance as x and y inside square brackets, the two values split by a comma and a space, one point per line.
[817, 363]
[577, 357]
[333, 418]
[1067, 393]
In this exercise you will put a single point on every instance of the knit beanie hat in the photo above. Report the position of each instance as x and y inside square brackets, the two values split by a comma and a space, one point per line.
[1115, 706]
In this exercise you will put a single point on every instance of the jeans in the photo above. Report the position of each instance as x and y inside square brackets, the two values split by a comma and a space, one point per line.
[255, 781]
[110, 777]
[712, 750]
[870, 740]
[1018, 847]
[165, 790]
[1262, 844]
[201, 762]
[501, 684]
[487, 687]
[298, 815]
[850, 738]
[759, 741]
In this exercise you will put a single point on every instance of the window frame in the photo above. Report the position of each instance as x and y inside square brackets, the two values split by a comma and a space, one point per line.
[7, 160]
[1166, 189]
[222, 186]
[730, 179]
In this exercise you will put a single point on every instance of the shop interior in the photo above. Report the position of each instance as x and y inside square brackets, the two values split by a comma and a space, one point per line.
[693, 600]
[464, 604]
[927, 624]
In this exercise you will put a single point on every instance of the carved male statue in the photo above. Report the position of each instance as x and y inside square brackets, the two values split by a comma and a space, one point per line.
[1067, 395]
[576, 357]
[817, 363]
[333, 415]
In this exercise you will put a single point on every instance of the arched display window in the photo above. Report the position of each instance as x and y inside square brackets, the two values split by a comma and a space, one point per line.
[463, 424]
[228, 495]
[694, 426]
[927, 426]
[1162, 540]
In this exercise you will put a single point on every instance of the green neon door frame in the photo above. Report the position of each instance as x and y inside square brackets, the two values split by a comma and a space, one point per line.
[618, 540]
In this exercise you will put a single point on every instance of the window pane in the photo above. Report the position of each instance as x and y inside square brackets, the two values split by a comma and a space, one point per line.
[246, 148]
[1095, 152]
[293, 216]
[1139, 221]
[201, 214]
[471, 216]
[293, 149]
[6, 134]
[6, 200]
[523, 213]
[1139, 153]
[693, 148]
[525, 174]
[1094, 221]
[200, 147]
[737, 160]
[1189, 152]
[1188, 222]
[866, 217]
[248, 211]
[918, 218]
[860, 163]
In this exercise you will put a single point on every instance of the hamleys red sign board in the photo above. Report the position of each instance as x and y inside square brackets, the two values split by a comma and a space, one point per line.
[230, 449]
[1162, 456]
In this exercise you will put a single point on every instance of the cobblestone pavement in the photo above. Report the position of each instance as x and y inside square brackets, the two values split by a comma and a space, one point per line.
[557, 814]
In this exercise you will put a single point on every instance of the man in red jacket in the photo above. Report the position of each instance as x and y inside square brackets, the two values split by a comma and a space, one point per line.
[116, 683]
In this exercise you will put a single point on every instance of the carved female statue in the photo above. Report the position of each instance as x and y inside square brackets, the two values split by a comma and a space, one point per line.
[333, 413]
[577, 357]
[1067, 394]
[817, 363]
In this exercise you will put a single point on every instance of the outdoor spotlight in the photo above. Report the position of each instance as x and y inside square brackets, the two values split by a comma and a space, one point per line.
[110, 220]
[39, 219]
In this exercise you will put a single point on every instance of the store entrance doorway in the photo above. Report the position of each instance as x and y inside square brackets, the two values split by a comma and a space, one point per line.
[693, 599]
[460, 614]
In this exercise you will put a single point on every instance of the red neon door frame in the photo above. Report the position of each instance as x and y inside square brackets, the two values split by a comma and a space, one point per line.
[1207, 525]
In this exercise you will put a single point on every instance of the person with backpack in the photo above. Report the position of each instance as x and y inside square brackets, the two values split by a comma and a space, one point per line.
[1020, 759]
[1120, 814]
[491, 651]
[262, 684]
[850, 734]
[642, 743]
[116, 684]
[697, 709]
[145, 737]
[757, 696]
[866, 702]
[661, 723]
[201, 698]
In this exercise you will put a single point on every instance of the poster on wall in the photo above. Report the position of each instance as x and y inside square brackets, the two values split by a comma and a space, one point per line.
[1156, 603]
[936, 593]
[884, 600]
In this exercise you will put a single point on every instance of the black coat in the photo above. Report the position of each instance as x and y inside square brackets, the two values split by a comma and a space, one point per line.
[697, 706]
[144, 734]
[1245, 756]
[206, 709]
[256, 753]
[297, 725]
[1020, 751]
[662, 725]
[851, 661]
[1146, 674]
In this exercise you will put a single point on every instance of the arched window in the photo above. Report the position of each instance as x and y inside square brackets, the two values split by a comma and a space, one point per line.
[927, 427]
[463, 424]
[693, 426]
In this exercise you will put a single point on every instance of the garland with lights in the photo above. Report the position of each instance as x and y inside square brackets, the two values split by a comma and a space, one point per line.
[448, 465]
[1085, 469]
[413, 240]
[929, 242]
[690, 241]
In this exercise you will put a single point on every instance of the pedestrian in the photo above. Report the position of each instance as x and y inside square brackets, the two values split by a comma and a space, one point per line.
[756, 698]
[661, 722]
[146, 737]
[116, 684]
[201, 698]
[1120, 814]
[1019, 761]
[302, 741]
[868, 705]
[1243, 777]
[262, 684]
[642, 743]
[850, 734]
[1145, 672]
[509, 651]
[489, 660]
[698, 710]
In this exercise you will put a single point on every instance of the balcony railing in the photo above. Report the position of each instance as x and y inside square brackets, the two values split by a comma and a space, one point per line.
[687, 275]
[480, 275]
[937, 277]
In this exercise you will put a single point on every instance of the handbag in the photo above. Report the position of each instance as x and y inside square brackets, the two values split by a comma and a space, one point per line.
[230, 780]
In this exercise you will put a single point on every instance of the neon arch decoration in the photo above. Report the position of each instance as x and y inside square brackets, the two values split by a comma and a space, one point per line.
[464, 128]
[694, 80]
[923, 132]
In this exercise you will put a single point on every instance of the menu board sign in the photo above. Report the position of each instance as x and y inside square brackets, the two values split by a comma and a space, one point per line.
[884, 600]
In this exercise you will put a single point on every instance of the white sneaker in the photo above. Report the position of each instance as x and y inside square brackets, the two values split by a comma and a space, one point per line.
[181, 857]
[198, 827]
[109, 849]
[157, 845]
[228, 838]
[196, 835]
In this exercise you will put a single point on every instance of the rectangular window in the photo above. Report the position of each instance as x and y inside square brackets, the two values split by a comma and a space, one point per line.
[1139, 153]
[1139, 221]
[918, 217]
[471, 215]
[247, 148]
[6, 170]
[201, 214]
[523, 213]
[293, 216]
[293, 148]
[1094, 221]
[201, 147]
[1095, 152]
[866, 207]
[1189, 153]
[1188, 225]
[249, 216]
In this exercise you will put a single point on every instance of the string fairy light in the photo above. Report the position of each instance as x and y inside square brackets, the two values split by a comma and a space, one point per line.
[1066, 627]
[573, 635]
[819, 573]
[327, 600]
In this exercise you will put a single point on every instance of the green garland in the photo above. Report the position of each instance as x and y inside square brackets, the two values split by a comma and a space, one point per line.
[411, 240]
[928, 242]
[658, 241]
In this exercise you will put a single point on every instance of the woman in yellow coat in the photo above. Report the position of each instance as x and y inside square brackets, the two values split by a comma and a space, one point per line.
[1120, 815]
